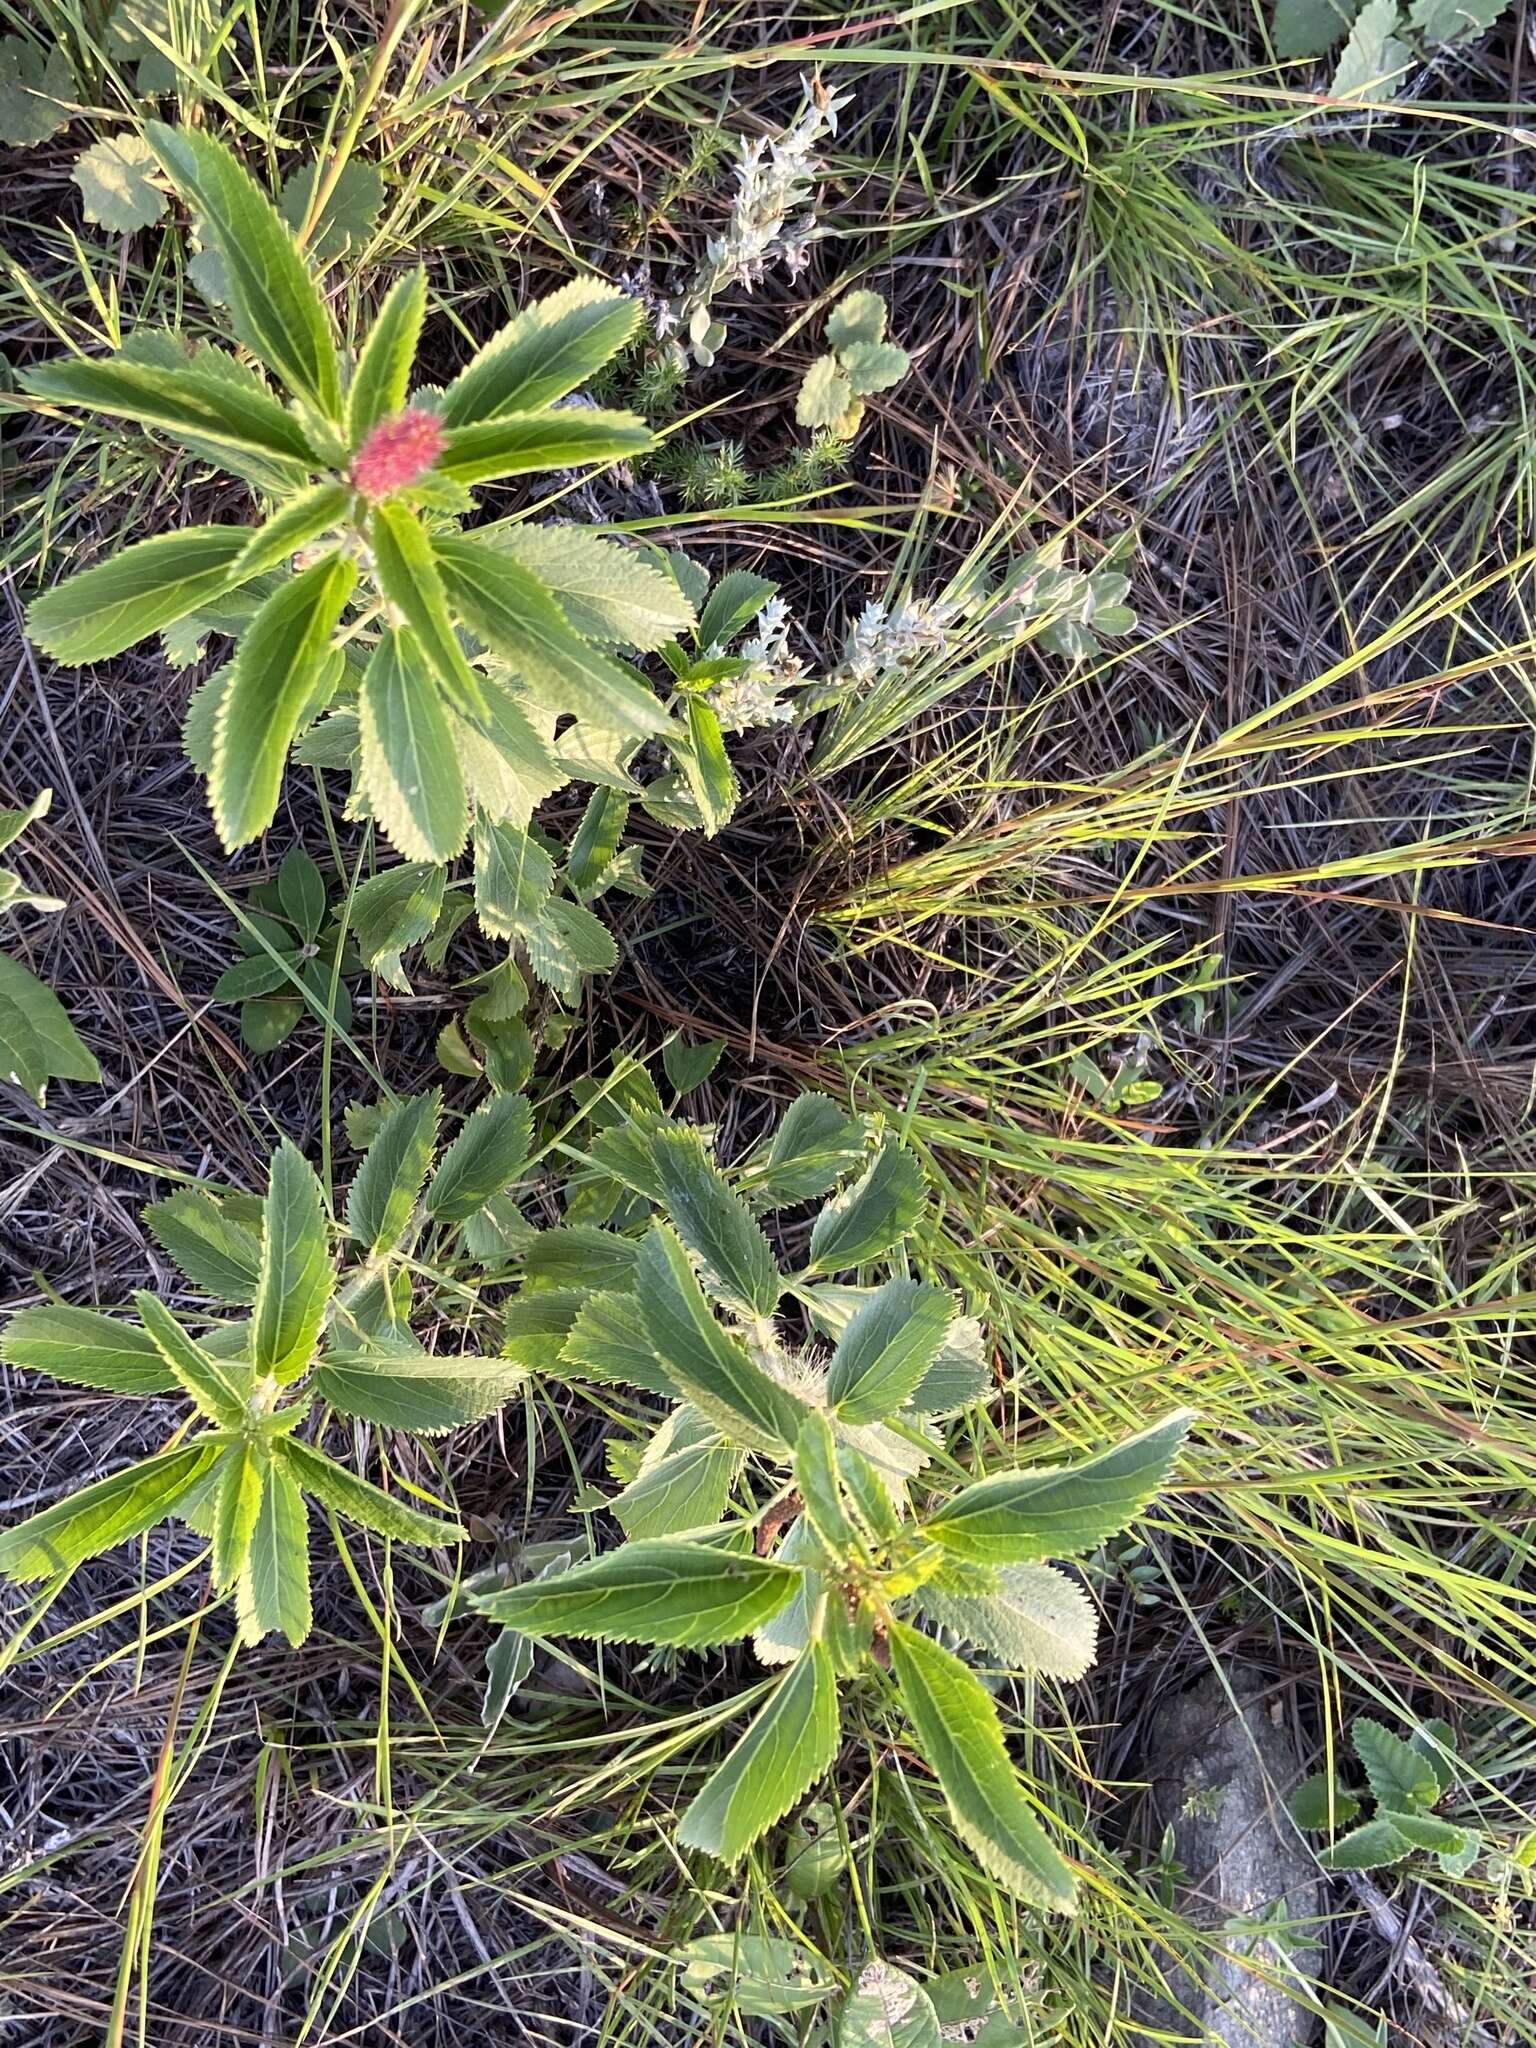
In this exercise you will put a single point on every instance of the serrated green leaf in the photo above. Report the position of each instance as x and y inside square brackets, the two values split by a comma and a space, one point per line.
[706, 1364]
[1435, 1741]
[407, 566]
[758, 1975]
[509, 766]
[98, 612]
[874, 366]
[707, 767]
[395, 910]
[825, 394]
[887, 2009]
[1321, 1802]
[99, 1517]
[517, 617]
[383, 376]
[1371, 1847]
[408, 1388]
[1453, 21]
[486, 1157]
[85, 1349]
[514, 877]
[733, 603]
[273, 303]
[273, 1592]
[959, 1374]
[610, 595]
[566, 942]
[544, 352]
[33, 88]
[887, 1349]
[193, 404]
[792, 1741]
[348, 215]
[1036, 1619]
[237, 1491]
[688, 1595]
[117, 181]
[358, 1500]
[857, 317]
[383, 1195]
[516, 444]
[271, 684]
[685, 1488]
[735, 1258]
[1425, 1830]
[815, 1144]
[410, 767]
[1060, 1510]
[297, 1273]
[214, 1387]
[596, 841]
[606, 1342]
[1399, 1774]
[216, 1252]
[958, 1730]
[38, 1043]
[303, 519]
[535, 1326]
[819, 1484]
[868, 1219]
[1306, 28]
[1374, 57]
[577, 1255]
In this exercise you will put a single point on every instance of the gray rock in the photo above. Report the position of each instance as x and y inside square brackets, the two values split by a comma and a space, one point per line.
[1219, 1781]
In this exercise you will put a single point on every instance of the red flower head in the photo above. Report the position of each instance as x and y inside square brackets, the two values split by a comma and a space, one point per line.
[397, 453]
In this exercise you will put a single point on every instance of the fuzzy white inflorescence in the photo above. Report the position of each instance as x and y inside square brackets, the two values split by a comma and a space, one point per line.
[775, 175]
[883, 639]
[754, 697]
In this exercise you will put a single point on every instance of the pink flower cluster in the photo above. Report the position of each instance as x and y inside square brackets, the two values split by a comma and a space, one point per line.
[397, 453]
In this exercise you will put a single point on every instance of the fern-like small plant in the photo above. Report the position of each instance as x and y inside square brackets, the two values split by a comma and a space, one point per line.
[38, 1044]
[467, 675]
[323, 1331]
[1408, 1777]
[842, 1558]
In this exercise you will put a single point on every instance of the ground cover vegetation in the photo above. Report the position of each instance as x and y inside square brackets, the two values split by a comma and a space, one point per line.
[765, 1016]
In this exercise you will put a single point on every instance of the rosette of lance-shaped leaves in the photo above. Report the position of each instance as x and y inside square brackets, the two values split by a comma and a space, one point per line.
[292, 945]
[239, 1471]
[853, 1548]
[454, 654]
